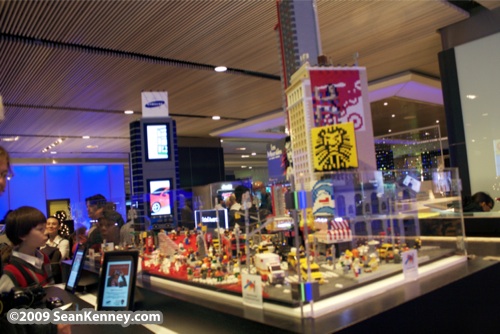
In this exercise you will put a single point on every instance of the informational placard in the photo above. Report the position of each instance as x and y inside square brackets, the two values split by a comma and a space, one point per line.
[410, 264]
[154, 104]
[251, 287]
[334, 147]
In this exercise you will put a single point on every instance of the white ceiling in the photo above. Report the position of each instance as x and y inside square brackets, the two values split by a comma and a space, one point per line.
[70, 68]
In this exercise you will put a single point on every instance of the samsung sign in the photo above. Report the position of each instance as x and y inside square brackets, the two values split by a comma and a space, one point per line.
[154, 104]
[208, 218]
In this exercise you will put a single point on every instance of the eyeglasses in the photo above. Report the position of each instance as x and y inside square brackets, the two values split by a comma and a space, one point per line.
[6, 175]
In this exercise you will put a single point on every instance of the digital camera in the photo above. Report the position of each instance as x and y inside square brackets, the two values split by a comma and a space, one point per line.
[21, 298]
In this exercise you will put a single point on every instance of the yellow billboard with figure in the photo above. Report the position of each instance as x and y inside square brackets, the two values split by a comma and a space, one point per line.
[334, 147]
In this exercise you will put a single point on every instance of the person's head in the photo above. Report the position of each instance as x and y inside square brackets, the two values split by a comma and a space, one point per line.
[5, 170]
[95, 205]
[259, 186]
[26, 226]
[239, 191]
[484, 200]
[108, 224]
[231, 200]
[52, 226]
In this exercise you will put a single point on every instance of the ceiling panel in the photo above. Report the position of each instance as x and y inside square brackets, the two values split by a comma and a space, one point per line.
[70, 68]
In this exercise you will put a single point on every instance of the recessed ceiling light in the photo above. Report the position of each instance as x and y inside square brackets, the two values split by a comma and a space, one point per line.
[250, 167]
[471, 96]
[389, 130]
[215, 118]
[53, 152]
[393, 115]
[243, 166]
[8, 139]
[222, 140]
[241, 148]
[86, 137]
[220, 69]
[128, 112]
[245, 156]
[385, 103]
[92, 146]
[253, 153]
[437, 120]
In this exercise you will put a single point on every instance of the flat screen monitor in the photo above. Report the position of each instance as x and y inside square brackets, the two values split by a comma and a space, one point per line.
[160, 199]
[209, 218]
[158, 146]
[117, 281]
[76, 268]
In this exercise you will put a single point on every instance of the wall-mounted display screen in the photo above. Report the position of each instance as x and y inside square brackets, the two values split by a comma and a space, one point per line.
[160, 199]
[157, 141]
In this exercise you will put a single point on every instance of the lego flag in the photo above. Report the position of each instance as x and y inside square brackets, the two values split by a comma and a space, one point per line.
[334, 147]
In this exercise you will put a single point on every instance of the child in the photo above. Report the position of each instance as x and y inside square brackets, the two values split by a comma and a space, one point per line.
[25, 228]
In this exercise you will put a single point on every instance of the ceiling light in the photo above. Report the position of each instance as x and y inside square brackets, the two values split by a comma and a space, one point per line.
[245, 156]
[393, 115]
[389, 130]
[243, 166]
[250, 167]
[215, 118]
[222, 140]
[128, 112]
[54, 161]
[220, 69]
[253, 153]
[92, 146]
[85, 137]
[60, 140]
[471, 96]
[437, 120]
[485, 114]
[241, 148]
[385, 103]
[53, 152]
[8, 139]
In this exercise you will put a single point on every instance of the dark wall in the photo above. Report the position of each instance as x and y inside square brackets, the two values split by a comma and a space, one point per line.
[200, 165]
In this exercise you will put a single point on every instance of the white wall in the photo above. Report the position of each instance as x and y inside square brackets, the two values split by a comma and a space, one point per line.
[478, 68]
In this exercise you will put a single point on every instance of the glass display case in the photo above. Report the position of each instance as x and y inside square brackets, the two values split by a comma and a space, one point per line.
[351, 230]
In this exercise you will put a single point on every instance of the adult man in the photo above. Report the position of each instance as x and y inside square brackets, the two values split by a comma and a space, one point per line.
[95, 207]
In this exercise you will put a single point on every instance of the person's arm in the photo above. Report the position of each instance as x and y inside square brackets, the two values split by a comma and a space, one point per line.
[64, 249]
[6, 283]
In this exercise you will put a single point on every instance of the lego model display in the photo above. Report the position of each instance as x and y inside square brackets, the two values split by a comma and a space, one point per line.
[350, 230]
